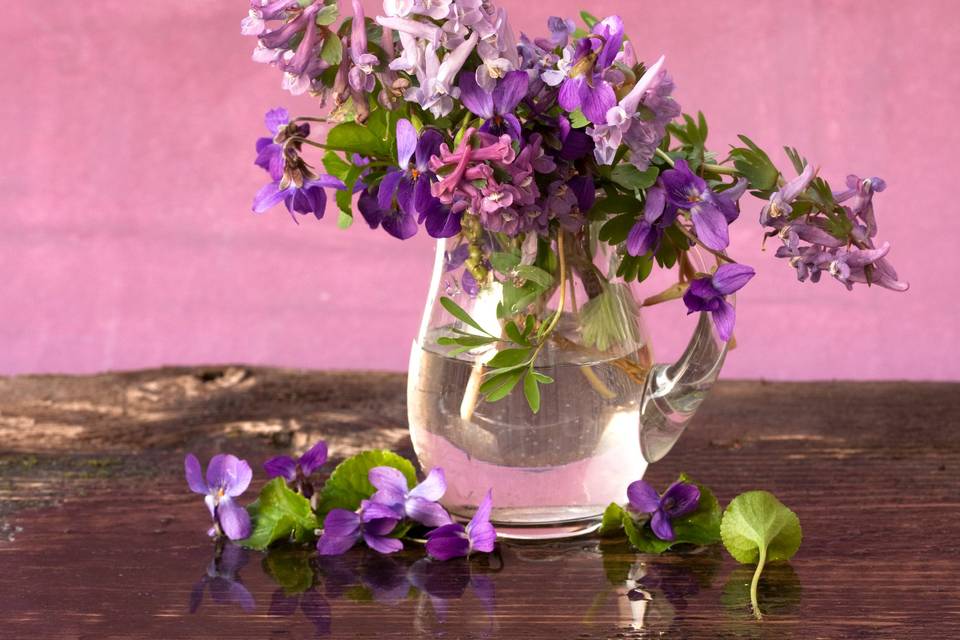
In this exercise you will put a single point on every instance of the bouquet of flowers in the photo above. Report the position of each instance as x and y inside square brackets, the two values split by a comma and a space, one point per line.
[540, 161]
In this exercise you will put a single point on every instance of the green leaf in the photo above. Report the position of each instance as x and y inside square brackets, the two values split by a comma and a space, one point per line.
[328, 15]
[466, 341]
[629, 177]
[460, 314]
[344, 219]
[756, 522]
[641, 538]
[516, 299]
[578, 120]
[348, 485]
[290, 568]
[536, 275]
[332, 51]
[612, 524]
[615, 230]
[755, 165]
[513, 332]
[335, 165]
[589, 19]
[609, 319]
[279, 513]
[531, 390]
[757, 527]
[504, 262]
[702, 527]
[356, 138]
[509, 358]
[501, 384]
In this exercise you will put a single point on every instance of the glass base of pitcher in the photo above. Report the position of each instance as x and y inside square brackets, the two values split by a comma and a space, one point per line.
[540, 524]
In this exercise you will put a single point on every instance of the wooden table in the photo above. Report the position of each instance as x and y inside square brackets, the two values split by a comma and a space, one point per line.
[99, 537]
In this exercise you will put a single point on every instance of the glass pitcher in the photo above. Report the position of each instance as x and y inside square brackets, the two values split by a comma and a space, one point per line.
[608, 412]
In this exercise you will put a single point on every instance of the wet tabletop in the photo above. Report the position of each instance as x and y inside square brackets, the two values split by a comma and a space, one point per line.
[99, 537]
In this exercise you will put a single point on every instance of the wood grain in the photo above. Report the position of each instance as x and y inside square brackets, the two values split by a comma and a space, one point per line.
[99, 538]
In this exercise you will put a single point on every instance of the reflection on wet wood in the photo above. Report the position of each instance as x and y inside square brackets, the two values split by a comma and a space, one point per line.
[99, 539]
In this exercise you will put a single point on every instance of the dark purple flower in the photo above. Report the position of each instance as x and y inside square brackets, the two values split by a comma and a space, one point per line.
[710, 212]
[404, 197]
[709, 294]
[580, 74]
[227, 478]
[309, 197]
[420, 503]
[646, 234]
[679, 500]
[297, 472]
[374, 523]
[455, 541]
[496, 108]
[223, 580]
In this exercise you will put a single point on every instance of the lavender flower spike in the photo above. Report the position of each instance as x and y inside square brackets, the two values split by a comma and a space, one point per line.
[297, 472]
[361, 74]
[419, 503]
[780, 204]
[227, 478]
[679, 500]
[456, 541]
[709, 294]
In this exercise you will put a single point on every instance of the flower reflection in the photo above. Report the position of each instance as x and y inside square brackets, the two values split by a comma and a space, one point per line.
[293, 571]
[223, 580]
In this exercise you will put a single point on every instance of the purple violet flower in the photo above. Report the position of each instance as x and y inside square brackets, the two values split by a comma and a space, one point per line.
[404, 197]
[496, 108]
[580, 74]
[646, 234]
[679, 500]
[309, 197]
[710, 212]
[297, 472]
[420, 503]
[709, 294]
[227, 478]
[455, 541]
[374, 522]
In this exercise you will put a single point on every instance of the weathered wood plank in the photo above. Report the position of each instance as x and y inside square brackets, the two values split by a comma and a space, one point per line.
[113, 545]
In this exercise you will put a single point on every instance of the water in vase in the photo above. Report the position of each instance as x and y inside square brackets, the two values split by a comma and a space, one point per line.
[562, 465]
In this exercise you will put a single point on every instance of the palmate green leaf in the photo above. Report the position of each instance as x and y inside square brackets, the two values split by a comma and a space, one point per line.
[351, 137]
[629, 177]
[335, 165]
[516, 299]
[578, 120]
[279, 514]
[515, 334]
[609, 319]
[328, 15]
[755, 165]
[615, 230]
[460, 314]
[635, 268]
[756, 522]
[348, 485]
[758, 528]
[612, 524]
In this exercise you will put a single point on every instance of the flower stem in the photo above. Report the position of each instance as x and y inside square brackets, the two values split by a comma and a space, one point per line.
[756, 581]
[719, 168]
[718, 254]
[663, 154]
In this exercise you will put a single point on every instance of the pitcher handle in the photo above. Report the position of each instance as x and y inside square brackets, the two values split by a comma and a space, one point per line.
[673, 392]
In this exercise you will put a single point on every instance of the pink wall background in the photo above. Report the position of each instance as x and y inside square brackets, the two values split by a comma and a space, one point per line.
[126, 176]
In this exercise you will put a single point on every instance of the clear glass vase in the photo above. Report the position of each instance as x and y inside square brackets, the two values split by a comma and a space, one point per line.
[609, 411]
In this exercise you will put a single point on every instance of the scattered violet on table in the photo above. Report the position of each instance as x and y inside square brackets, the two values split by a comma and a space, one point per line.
[420, 503]
[374, 523]
[297, 472]
[454, 540]
[680, 499]
[227, 478]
